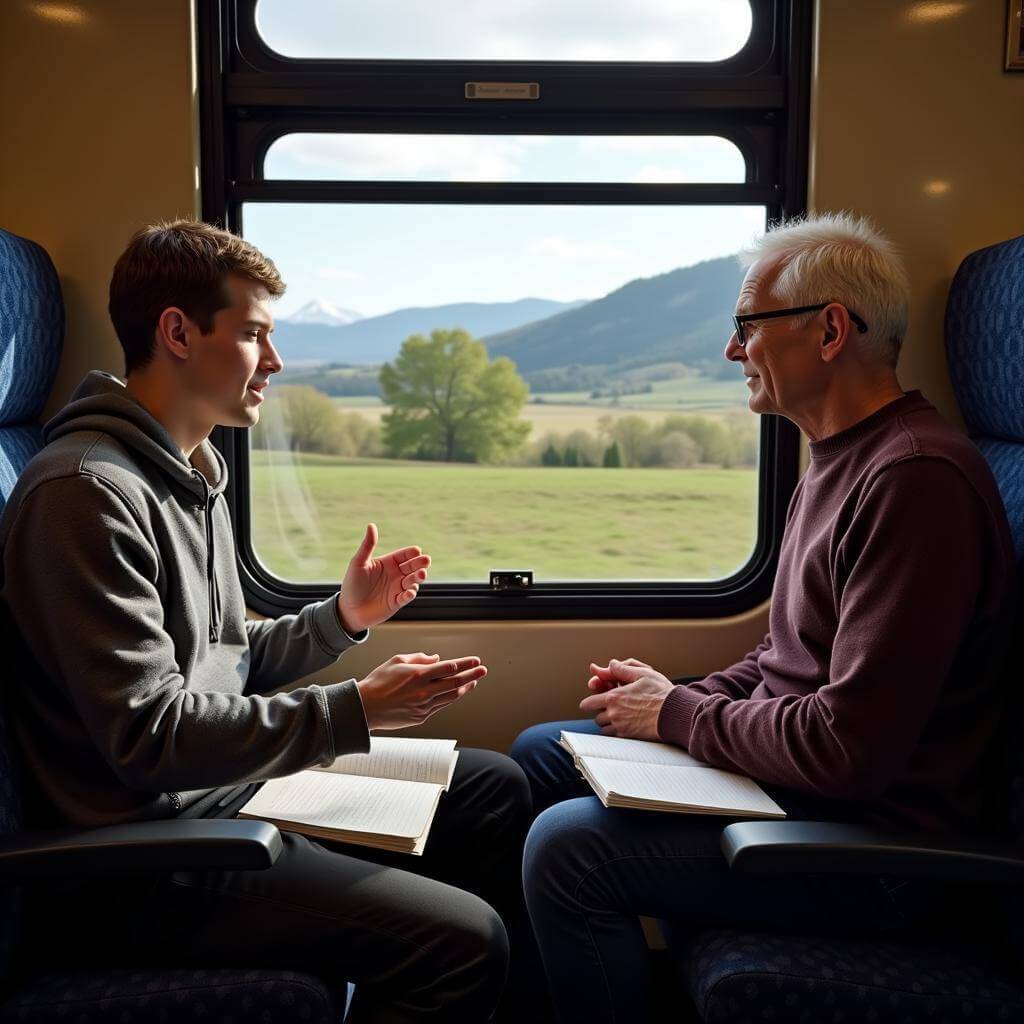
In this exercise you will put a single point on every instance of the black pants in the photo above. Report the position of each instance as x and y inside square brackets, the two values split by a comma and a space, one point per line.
[419, 936]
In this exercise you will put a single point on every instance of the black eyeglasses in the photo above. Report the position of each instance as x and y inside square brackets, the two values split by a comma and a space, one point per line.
[740, 322]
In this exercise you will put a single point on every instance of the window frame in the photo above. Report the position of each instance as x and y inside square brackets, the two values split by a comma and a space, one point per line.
[759, 99]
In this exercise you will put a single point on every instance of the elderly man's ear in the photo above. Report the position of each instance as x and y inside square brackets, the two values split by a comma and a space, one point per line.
[834, 338]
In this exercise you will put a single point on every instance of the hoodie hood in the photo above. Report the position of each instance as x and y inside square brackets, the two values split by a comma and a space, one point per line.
[101, 402]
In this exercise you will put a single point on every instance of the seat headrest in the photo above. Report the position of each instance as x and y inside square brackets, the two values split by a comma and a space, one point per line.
[31, 328]
[985, 340]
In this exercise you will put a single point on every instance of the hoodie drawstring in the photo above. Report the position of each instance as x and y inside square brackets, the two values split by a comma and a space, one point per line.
[213, 592]
[211, 574]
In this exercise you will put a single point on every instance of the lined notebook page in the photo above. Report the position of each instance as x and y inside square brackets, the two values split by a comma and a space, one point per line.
[700, 788]
[353, 803]
[620, 749]
[397, 757]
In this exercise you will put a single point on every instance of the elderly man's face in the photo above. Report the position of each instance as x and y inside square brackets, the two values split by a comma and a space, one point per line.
[781, 358]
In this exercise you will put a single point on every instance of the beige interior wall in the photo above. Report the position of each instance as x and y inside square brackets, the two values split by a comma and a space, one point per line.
[100, 137]
[915, 123]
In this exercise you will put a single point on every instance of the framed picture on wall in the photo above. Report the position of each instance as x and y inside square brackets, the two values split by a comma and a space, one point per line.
[1015, 35]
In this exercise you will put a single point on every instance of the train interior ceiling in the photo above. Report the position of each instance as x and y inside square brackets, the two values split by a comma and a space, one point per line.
[633, 506]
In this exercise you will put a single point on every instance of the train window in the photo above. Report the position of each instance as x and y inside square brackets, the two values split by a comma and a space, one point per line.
[558, 403]
[505, 319]
[538, 30]
[586, 158]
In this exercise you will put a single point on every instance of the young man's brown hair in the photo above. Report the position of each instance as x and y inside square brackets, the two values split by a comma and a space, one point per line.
[181, 263]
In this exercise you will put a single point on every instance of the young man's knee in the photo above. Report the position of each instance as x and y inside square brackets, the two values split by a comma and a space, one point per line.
[474, 951]
[509, 788]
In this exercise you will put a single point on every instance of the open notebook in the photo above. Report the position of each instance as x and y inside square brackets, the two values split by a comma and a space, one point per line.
[386, 798]
[657, 777]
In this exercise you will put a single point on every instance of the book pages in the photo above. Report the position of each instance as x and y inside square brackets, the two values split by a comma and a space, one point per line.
[675, 788]
[398, 757]
[386, 813]
[620, 749]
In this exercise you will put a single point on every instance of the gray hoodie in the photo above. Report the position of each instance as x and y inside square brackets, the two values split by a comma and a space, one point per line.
[139, 684]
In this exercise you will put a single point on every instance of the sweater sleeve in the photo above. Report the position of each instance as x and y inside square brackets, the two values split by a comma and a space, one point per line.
[736, 681]
[909, 570]
[93, 616]
[289, 647]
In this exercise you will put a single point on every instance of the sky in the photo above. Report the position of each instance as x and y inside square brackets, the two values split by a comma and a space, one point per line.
[668, 30]
[374, 258]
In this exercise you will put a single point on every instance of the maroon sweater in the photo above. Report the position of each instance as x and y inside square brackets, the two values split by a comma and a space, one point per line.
[879, 682]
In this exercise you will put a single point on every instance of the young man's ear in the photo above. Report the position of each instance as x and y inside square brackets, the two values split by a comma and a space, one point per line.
[172, 331]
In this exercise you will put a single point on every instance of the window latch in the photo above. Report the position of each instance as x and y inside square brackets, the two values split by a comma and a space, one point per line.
[511, 581]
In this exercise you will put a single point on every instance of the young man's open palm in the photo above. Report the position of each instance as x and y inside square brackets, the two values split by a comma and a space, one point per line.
[374, 588]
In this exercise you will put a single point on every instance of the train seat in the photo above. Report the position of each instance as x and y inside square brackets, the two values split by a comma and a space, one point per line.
[971, 973]
[31, 337]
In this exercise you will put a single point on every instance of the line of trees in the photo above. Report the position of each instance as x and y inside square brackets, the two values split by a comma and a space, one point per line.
[677, 441]
[450, 402]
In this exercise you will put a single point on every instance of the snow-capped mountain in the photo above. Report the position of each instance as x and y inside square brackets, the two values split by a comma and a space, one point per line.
[317, 311]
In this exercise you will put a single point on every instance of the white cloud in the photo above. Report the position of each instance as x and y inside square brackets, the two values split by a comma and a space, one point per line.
[566, 249]
[390, 157]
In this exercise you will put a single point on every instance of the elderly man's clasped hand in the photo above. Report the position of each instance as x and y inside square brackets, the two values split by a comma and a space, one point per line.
[627, 698]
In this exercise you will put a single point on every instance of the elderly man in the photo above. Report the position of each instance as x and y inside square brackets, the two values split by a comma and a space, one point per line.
[875, 694]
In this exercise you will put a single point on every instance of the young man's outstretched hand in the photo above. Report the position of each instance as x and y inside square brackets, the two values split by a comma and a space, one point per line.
[408, 688]
[375, 588]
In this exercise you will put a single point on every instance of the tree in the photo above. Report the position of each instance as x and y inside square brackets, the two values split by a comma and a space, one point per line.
[299, 418]
[550, 456]
[612, 459]
[678, 450]
[635, 438]
[450, 402]
[572, 457]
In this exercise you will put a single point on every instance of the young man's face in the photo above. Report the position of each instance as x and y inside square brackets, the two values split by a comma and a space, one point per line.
[228, 369]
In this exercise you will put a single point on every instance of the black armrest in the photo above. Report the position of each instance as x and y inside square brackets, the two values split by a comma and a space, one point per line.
[827, 847]
[139, 848]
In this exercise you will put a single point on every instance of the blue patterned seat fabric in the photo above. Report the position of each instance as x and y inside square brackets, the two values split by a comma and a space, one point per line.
[985, 350]
[744, 977]
[31, 337]
[142, 997]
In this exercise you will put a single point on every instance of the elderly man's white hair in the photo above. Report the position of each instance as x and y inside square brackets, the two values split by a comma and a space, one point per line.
[836, 257]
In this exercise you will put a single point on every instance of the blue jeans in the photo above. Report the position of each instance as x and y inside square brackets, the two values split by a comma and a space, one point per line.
[590, 871]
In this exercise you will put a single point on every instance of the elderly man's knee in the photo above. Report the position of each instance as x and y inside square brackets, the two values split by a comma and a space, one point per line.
[529, 741]
[558, 845]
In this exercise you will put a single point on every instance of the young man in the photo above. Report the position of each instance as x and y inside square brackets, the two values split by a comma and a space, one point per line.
[142, 689]
[874, 696]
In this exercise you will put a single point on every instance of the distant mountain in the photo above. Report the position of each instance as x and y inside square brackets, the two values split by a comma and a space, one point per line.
[318, 311]
[377, 339]
[682, 316]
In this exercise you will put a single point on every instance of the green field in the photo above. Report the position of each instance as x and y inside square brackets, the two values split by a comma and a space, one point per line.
[310, 512]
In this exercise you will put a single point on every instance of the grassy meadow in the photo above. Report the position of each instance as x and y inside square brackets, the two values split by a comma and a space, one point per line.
[310, 511]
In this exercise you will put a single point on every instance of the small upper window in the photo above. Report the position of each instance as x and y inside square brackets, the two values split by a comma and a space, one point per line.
[638, 159]
[521, 30]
